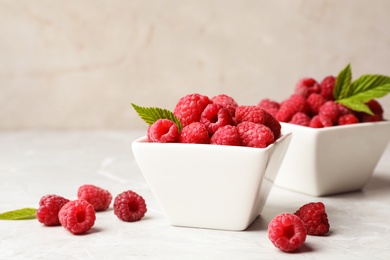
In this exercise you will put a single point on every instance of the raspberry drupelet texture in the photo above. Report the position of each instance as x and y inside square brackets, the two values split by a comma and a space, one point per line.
[214, 116]
[330, 110]
[314, 218]
[129, 206]
[300, 119]
[258, 115]
[194, 133]
[226, 135]
[306, 86]
[270, 106]
[292, 105]
[255, 135]
[226, 101]
[99, 198]
[287, 232]
[315, 102]
[163, 131]
[190, 107]
[327, 87]
[376, 108]
[348, 119]
[49, 206]
[77, 216]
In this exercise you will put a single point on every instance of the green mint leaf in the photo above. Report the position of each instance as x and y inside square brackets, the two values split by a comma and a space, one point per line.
[152, 114]
[356, 105]
[19, 214]
[343, 82]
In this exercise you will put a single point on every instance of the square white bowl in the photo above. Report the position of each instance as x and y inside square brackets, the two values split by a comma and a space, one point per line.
[332, 160]
[210, 186]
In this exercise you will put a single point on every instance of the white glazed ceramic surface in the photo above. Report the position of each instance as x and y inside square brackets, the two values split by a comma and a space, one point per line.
[210, 186]
[332, 160]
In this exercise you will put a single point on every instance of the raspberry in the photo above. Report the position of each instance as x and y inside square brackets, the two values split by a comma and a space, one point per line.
[270, 106]
[255, 135]
[129, 206]
[190, 107]
[376, 108]
[291, 106]
[49, 206]
[99, 198]
[306, 86]
[327, 86]
[226, 135]
[287, 232]
[214, 116]
[315, 122]
[163, 131]
[77, 216]
[226, 101]
[330, 110]
[314, 218]
[258, 115]
[348, 119]
[300, 119]
[194, 133]
[343, 109]
[315, 101]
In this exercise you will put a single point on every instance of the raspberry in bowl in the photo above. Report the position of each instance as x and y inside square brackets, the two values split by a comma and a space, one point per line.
[339, 133]
[218, 171]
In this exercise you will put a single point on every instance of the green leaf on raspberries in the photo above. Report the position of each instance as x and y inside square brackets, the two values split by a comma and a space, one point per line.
[152, 114]
[19, 214]
[354, 95]
[343, 82]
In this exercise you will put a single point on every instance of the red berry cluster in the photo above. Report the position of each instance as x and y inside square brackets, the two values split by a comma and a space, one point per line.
[289, 231]
[218, 120]
[312, 104]
[78, 216]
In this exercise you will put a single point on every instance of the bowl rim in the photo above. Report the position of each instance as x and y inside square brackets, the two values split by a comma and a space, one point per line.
[334, 128]
[143, 141]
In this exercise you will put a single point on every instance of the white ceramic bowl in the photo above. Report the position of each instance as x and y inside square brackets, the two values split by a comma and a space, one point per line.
[332, 160]
[210, 186]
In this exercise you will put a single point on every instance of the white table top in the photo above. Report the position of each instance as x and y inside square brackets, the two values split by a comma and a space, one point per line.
[33, 164]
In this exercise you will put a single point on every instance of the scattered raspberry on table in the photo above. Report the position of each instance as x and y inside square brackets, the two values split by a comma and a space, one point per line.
[129, 206]
[49, 206]
[98, 197]
[314, 218]
[77, 216]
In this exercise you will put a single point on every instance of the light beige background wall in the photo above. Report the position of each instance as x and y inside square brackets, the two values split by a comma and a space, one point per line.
[80, 63]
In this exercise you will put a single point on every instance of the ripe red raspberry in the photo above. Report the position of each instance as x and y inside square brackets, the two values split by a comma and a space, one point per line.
[190, 107]
[255, 135]
[315, 101]
[306, 86]
[348, 119]
[343, 109]
[214, 116]
[315, 122]
[314, 218]
[291, 106]
[49, 206]
[327, 87]
[330, 110]
[287, 232]
[270, 106]
[194, 133]
[99, 198]
[376, 108]
[77, 216]
[300, 119]
[129, 206]
[258, 115]
[226, 135]
[163, 131]
[226, 101]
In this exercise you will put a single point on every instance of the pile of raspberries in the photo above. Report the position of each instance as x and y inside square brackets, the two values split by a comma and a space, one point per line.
[312, 104]
[218, 120]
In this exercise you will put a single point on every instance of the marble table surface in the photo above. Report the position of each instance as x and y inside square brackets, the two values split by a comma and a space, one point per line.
[36, 163]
